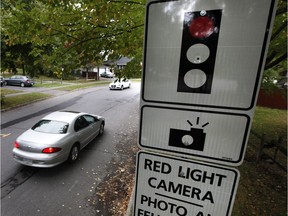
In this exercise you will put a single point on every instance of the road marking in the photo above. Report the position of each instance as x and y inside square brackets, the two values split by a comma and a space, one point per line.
[4, 135]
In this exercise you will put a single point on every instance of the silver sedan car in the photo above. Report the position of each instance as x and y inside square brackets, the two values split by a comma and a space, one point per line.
[56, 138]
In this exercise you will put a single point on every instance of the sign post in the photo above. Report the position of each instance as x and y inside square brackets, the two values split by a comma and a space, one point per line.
[167, 186]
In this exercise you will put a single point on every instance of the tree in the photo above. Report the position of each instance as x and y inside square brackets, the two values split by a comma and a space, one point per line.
[276, 61]
[133, 68]
[21, 56]
[80, 32]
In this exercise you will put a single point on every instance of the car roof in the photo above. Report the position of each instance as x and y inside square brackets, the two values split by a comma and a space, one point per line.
[65, 116]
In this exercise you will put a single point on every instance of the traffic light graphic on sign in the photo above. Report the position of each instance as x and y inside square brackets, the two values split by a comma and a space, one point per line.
[198, 51]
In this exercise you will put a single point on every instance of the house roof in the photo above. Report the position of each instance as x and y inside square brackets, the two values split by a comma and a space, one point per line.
[122, 61]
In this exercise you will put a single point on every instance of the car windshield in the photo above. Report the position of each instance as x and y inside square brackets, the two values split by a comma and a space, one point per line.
[117, 80]
[50, 126]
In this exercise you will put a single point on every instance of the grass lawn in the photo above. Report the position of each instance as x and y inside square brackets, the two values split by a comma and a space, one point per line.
[263, 185]
[49, 85]
[14, 101]
[8, 91]
[272, 122]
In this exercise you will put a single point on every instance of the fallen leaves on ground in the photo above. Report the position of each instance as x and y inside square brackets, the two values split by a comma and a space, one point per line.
[114, 192]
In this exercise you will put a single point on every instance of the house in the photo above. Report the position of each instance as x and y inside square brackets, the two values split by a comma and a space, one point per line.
[122, 62]
[92, 72]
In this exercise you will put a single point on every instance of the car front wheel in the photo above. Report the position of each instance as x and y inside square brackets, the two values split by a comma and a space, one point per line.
[101, 130]
[74, 153]
[22, 84]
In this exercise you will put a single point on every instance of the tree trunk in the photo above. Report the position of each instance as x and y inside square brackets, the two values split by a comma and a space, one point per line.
[23, 68]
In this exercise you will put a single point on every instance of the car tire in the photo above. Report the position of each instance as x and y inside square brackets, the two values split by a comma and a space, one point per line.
[101, 130]
[129, 86]
[74, 153]
[122, 87]
[22, 84]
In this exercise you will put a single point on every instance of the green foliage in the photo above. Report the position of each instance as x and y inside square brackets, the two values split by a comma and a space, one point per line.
[134, 68]
[276, 61]
[77, 32]
[272, 122]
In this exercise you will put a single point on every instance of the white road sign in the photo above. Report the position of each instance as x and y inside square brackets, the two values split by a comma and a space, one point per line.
[203, 62]
[167, 186]
[205, 53]
[216, 136]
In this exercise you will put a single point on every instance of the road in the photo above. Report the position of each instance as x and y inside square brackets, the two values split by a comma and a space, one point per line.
[66, 189]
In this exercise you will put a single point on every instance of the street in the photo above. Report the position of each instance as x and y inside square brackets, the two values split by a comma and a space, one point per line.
[66, 189]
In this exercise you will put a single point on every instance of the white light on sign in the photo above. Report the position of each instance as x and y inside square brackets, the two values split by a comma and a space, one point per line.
[167, 186]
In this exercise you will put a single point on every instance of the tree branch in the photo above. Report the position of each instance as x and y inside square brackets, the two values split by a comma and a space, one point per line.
[61, 32]
[277, 32]
[281, 11]
[270, 57]
[100, 37]
[130, 2]
[277, 61]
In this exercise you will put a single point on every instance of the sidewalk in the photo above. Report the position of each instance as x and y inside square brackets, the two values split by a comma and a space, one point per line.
[26, 90]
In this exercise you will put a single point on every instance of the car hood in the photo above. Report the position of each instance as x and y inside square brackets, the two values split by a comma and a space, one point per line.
[31, 136]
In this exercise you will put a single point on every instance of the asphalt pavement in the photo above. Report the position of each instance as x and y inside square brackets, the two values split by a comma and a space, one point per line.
[35, 107]
[85, 180]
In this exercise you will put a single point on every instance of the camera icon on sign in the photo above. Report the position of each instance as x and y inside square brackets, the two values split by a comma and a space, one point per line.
[193, 139]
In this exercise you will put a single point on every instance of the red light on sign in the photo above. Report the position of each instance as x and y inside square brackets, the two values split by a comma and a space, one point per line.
[201, 27]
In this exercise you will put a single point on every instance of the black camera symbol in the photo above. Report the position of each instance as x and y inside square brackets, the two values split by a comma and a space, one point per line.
[193, 139]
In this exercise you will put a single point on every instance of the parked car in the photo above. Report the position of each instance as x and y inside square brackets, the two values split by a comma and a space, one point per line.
[2, 80]
[107, 74]
[56, 138]
[120, 83]
[20, 80]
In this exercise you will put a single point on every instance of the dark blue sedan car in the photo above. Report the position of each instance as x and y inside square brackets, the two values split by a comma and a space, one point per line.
[19, 80]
